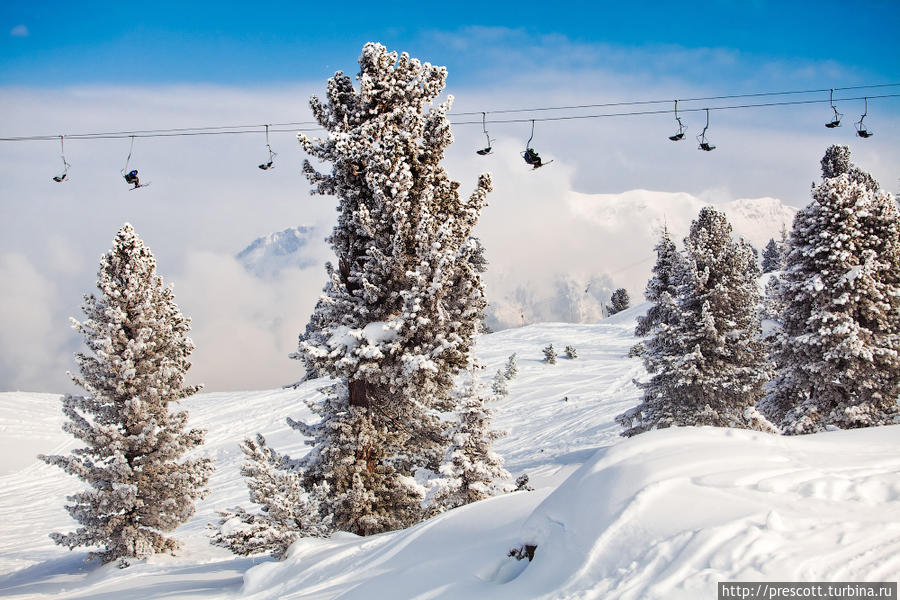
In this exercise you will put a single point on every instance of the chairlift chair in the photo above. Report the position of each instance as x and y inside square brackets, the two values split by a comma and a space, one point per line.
[530, 154]
[62, 176]
[487, 149]
[271, 162]
[131, 177]
[701, 139]
[836, 121]
[679, 135]
[861, 131]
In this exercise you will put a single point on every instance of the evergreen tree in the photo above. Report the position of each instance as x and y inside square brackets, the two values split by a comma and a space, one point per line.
[838, 351]
[571, 352]
[772, 304]
[471, 467]
[783, 246]
[771, 258]
[618, 302]
[708, 366]
[286, 513]
[662, 287]
[400, 311]
[141, 487]
[549, 355]
[512, 367]
[499, 387]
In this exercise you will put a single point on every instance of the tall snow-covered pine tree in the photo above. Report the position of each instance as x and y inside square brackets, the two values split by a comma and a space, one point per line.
[141, 486]
[838, 350]
[708, 366]
[400, 310]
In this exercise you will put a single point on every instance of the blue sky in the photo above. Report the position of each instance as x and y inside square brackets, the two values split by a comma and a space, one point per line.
[69, 43]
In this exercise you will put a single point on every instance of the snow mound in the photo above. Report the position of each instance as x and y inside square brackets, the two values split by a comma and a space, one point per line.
[666, 514]
[670, 513]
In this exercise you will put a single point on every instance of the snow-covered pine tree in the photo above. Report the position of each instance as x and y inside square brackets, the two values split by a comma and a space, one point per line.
[618, 302]
[512, 367]
[400, 311]
[708, 366]
[549, 355]
[571, 353]
[771, 303]
[662, 282]
[471, 467]
[838, 351]
[783, 246]
[286, 512]
[771, 258]
[499, 386]
[141, 486]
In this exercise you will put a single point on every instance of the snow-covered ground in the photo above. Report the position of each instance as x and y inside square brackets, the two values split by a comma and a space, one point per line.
[663, 515]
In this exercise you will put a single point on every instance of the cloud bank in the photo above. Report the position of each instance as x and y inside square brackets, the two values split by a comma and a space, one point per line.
[547, 233]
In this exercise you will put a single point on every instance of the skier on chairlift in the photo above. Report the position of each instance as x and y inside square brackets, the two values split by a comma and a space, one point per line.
[532, 158]
[131, 178]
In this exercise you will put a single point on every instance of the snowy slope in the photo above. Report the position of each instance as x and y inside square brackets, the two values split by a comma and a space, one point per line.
[665, 514]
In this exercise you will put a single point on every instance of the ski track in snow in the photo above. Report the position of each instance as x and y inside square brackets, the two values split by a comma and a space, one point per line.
[664, 515]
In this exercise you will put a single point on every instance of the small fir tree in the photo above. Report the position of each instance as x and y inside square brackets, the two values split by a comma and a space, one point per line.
[522, 484]
[571, 353]
[708, 367]
[618, 302]
[838, 350]
[772, 305]
[140, 485]
[286, 512]
[512, 367]
[771, 258]
[471, 467]
[783, 246]
[549, 355]
[499, 386]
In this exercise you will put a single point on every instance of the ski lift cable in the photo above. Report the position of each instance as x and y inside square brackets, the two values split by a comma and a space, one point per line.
[668, 100]
[301, 125]
[666, 111]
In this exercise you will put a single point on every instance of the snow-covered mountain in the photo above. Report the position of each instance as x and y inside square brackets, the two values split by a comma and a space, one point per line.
[293, 248]
[597, 242]
[665, 514]
[754, 219]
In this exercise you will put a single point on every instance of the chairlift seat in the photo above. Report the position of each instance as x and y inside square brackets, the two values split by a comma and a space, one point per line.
[266, 166]
[677, 137]
[59, 178]
[484, 151]
[833, 124]
[706, 146]
[863, 133]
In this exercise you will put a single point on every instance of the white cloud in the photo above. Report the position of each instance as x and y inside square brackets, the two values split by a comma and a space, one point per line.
[208, 200]
[244, 327]
[19, 31]
[32, 332]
